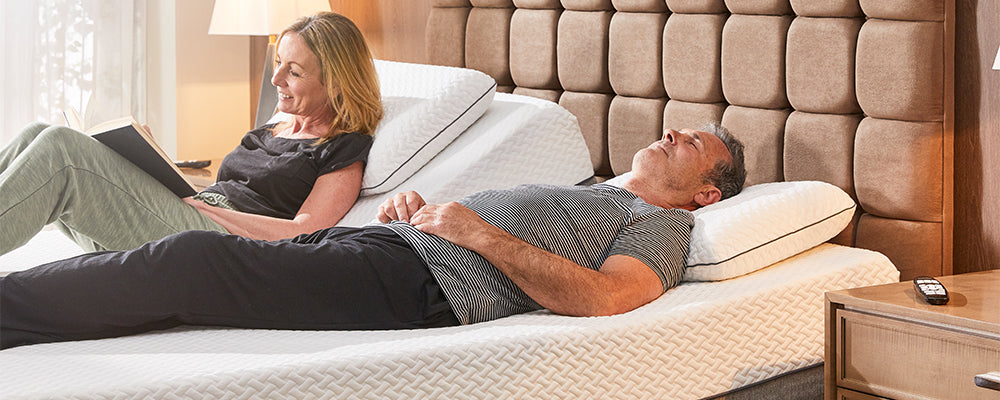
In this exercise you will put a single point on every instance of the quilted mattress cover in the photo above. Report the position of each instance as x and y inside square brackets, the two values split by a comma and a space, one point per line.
[698, 339]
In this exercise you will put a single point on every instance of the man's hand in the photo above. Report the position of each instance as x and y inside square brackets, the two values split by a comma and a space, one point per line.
[452, 222]
[400, 207]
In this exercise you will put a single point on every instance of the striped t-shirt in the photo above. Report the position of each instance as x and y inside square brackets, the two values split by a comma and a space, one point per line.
[585, 224]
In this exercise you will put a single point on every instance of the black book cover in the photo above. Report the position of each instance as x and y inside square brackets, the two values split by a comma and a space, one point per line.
[129, 139]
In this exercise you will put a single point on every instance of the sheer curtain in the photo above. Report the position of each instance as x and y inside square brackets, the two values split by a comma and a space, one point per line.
[88, 55]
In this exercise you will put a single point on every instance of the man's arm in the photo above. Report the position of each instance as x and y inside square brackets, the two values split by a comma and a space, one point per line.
[621, 284]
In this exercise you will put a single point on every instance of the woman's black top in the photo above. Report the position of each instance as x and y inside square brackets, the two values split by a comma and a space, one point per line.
[272, 176]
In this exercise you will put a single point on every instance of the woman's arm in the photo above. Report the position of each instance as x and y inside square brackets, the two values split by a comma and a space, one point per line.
[331, 197]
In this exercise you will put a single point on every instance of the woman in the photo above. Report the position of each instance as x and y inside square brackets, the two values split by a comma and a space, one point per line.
[282, 180]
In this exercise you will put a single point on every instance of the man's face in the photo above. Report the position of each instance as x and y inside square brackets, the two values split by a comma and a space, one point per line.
[680, 159]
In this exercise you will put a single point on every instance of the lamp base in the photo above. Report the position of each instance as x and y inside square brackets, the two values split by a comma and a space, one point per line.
[267, 101]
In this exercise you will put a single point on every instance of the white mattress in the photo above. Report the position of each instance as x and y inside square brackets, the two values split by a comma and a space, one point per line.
[698, 339]
[48, 245]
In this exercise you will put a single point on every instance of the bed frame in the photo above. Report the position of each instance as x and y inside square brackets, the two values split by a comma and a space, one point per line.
[853, 92]
[858, 93]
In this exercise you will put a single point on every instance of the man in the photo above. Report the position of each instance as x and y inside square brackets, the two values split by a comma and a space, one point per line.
[581, 251]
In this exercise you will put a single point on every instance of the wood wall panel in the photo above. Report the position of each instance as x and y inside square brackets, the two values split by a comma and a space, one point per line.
[977, 136]
[394, 29]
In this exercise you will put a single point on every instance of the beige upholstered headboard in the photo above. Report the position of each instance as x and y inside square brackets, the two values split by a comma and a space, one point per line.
[858, 93]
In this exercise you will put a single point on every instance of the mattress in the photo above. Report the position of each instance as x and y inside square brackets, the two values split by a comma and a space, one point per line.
[518, 139]
[48, 245]
[698, 339]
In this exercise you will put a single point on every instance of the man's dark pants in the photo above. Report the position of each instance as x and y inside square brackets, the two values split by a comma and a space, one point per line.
[334, 279]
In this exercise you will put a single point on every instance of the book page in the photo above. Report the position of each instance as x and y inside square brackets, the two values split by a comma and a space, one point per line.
[73, 119]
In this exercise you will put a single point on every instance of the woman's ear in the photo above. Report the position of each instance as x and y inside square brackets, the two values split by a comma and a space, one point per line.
[708, 195]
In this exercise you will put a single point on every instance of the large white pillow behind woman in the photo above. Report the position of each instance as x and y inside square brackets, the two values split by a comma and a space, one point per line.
[426, 107]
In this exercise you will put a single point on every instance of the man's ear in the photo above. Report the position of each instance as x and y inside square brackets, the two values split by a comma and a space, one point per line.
[709, 194]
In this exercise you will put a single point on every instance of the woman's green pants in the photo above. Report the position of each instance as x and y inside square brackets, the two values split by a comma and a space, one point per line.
[56, 175]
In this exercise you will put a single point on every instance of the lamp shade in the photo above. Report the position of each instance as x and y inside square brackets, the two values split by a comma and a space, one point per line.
[260, 17]
[996, 63]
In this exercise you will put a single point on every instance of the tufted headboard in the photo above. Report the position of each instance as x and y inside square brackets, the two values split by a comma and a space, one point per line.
[858, 93]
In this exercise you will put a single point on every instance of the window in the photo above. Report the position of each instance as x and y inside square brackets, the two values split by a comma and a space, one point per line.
[88, 55]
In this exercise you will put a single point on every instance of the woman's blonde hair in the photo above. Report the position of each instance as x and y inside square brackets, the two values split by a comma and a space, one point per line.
[345, 64]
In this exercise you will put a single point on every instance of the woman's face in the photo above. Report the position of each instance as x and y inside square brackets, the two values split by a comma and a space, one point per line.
[297, 77]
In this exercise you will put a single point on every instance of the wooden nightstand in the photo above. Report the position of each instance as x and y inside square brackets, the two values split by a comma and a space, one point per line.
[886, 342]
[202, 178]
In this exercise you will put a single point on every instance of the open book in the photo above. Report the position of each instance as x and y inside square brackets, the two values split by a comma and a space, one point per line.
[128, 138]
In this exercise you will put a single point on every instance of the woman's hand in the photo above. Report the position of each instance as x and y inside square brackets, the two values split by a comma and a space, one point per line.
[198, 204]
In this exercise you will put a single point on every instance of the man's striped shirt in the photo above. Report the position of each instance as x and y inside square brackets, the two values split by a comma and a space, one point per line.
[585, 224]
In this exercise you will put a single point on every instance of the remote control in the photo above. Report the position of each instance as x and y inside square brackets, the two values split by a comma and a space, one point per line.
[989, 380]
[932, 290]
[194, 163]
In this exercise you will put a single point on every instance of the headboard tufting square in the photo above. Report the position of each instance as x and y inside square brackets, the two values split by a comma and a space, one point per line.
[858, 93]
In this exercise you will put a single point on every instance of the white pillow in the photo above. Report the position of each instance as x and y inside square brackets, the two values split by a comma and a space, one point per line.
[762, 225]
[426, 107]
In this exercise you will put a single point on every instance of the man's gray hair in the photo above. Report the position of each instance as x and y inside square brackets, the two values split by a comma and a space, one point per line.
[729, 177]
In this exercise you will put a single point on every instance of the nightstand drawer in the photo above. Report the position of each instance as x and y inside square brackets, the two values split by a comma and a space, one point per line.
[898, 359]
[844, 394]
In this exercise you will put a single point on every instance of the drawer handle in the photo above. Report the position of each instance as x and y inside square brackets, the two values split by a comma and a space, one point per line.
[989, 380]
